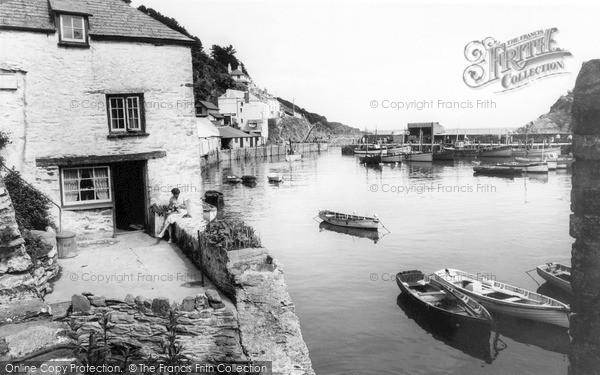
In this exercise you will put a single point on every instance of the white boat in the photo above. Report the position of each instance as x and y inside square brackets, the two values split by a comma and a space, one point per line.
[275, 177]
[556, 274]
[370, 149]
[350, 221]
[209, 212]
[419, 156]
[394, 158]
[536, 168]
[507, 299]
[551, 159]
[535, 152]
[293, 157]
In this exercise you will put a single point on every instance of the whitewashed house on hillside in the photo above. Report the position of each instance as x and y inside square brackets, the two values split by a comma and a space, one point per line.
[247, 112]
[98, 98]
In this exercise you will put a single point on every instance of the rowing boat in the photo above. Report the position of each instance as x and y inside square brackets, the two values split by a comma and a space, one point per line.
[556, 274]
[444, 304]
[351, 221]
[507, 299]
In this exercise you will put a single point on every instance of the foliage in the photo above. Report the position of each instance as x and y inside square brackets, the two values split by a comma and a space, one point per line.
[159, 209]
[31, 205]
[225, 55]
[34, 245]
[230, 234]
[4, 139]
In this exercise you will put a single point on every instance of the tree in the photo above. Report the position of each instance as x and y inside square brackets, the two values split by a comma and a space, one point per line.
[225, 55]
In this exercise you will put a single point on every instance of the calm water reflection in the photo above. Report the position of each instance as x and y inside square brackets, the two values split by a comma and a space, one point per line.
[439, 215]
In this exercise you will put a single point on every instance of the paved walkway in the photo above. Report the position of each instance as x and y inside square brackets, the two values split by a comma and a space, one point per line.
[138, 264]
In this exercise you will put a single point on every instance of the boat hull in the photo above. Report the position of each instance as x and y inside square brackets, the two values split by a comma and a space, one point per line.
[348, 221]
[544, 271]
[392, 158]
[444, 155]
[417, 157]
[498, 152]
[213, 197]
[555, 314]
[274, 177]
[497, 170]
[535, 152]
[293, 157]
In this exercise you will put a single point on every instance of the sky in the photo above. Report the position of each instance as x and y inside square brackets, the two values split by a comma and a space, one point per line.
[363, 63]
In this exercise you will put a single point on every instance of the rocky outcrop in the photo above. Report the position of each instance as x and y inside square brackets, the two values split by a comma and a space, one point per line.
[23, 280]
[585, 222]
[558, 119]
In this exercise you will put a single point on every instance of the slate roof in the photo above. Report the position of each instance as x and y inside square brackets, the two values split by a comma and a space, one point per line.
[107, 18]
[237, 72]
[229, 132]
[208, 105]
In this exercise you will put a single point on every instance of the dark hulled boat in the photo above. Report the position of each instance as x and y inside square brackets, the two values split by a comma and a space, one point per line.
[447, 306]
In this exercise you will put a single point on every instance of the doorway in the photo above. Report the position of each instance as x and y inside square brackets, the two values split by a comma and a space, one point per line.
[130, 192]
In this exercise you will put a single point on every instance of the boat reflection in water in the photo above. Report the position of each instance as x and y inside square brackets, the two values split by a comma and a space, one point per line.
[545, 336]
[356, 232]
[475, 343]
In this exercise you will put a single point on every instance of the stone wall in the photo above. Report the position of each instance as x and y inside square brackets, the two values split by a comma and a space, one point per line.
[269, 327]
[59, 110]
[585, 222]
[275, 152]
[206, 328]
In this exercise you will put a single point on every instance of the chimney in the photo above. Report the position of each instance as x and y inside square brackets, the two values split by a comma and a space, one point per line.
[247, 97]
[229, 68]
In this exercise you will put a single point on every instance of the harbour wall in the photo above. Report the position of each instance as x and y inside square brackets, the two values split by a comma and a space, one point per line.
[260, 152]
[585, 223]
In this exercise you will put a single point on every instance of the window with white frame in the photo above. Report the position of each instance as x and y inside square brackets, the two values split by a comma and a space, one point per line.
[86, 185]
[72, 29]
[125, 113]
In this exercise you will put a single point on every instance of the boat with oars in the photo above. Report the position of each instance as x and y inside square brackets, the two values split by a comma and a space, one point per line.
[506, 299]
[349, 220]
[556, 274]
[443, 303]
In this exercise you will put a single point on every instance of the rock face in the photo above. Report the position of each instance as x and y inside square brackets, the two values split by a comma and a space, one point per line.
[22, 280]
[585, 220]
[558, 119]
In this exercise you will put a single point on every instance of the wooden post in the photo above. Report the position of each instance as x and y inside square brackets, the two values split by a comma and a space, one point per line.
[201, 261]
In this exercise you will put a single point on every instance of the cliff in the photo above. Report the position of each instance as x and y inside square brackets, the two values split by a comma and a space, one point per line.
[296, 129]
[558, 119]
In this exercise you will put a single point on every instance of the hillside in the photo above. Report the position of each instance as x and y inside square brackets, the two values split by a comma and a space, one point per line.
[558, 119]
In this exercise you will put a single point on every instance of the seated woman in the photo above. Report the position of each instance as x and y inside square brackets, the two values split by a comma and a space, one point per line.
[178, 208]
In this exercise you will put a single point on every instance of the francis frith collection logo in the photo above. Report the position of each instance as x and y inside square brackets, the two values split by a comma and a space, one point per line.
[514, 63]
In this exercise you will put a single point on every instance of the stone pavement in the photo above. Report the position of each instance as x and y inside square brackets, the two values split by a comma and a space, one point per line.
[136, 264]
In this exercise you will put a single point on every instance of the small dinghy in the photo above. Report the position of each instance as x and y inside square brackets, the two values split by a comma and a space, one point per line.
[444, 304]
[556, 274]
[275, 177]
[213, 197]
[350, 221]
[507, 299]
[248, 179]
[233, 179]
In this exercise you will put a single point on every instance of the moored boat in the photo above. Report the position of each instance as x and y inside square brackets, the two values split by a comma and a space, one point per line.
[371, 159]
[507, 299]
[370, 149]
[446, 154]
[535, 152]
[556, 274]
[274, 177]
[497, 170]
[293, 157]
[349, 220]
[445, 304]
[213, 197]
[209, 212]
[233, 179]
[418, 156]
[248, 179]
[564, 162]
[496, 151]
[394, 158]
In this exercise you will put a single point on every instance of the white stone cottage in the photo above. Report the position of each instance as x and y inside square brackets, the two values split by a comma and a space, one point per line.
[98, 99]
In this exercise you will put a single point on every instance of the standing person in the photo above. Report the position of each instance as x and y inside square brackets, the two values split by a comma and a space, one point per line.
[178, 208]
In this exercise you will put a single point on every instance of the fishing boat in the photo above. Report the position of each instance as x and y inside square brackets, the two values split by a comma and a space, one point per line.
[418, 156]
[556, 274]
[370, 149]
[274, 177]
[507, 299]
[350, 221]
[393, 158]
[213, 197]
[370, 159]
[496, 151]
[535, 152]
[443, 154]
[444, 303]
[398, 149]
[551, 159]
[233, 179]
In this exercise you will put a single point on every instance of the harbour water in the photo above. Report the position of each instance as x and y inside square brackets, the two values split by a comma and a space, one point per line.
[439, 215]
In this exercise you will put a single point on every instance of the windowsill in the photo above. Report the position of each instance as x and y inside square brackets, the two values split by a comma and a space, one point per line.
[90, 206]
[74, 44]
[127, 135]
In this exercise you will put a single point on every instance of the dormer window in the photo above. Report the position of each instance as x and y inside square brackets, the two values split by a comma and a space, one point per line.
[73, 30]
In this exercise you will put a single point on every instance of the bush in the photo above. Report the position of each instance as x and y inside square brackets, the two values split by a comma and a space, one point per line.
[34, 245]
[31, 205]
[230, 235]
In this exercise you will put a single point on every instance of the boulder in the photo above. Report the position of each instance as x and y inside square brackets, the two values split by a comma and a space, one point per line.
[80, 304]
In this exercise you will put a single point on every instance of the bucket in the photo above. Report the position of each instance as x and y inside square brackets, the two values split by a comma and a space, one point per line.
[65, 242]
